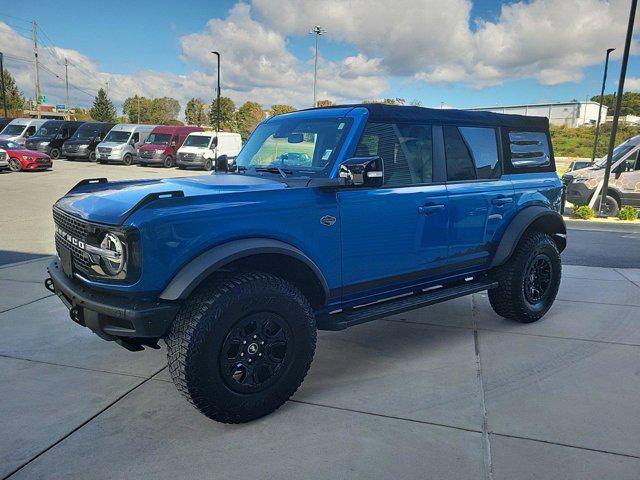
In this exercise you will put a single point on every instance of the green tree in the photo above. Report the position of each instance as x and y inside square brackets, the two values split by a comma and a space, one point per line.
[280, 109]
[195, 113]
[324, 103]
[227, 114]
[248, 117]
[137, 109]
[160, 111]
[164, 110]
[103, 109]
[630, 103]
[15, 98]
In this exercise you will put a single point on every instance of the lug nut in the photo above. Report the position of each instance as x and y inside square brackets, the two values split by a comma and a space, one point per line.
[259, 354]
[244, 342]
[261, 343]
[242, 354]
[255, 336]
[249, 360]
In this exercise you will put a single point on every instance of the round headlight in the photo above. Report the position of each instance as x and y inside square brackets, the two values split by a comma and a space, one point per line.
[113, 264]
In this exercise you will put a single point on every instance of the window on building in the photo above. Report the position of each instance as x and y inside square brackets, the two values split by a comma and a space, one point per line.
[405, 149]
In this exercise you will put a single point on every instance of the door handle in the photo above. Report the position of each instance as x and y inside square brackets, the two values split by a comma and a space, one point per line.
[500, 201]
[430, 209]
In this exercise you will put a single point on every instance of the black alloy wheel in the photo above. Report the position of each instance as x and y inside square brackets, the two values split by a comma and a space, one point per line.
[537, 279]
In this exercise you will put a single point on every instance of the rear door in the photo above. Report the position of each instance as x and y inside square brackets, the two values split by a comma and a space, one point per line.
[394, 236]
[481, 200]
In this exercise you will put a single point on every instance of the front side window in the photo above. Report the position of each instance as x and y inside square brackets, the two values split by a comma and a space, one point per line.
[47, 131]
[135, 138]
[405, 149]
[299, 145]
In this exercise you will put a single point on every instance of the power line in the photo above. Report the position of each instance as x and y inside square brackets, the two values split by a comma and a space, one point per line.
[15, 18]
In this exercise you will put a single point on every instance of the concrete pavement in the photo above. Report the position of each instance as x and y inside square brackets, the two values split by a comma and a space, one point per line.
[449, 391]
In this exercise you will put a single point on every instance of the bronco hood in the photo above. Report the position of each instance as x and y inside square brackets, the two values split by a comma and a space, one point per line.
[112, 202]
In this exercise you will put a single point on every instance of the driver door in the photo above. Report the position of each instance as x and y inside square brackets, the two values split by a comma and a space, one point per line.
[394, 236]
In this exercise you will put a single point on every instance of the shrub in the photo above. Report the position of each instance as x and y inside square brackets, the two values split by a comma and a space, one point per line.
[628, 213]
[584, 212]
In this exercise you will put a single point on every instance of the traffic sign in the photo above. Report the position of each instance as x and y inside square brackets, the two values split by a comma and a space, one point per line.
[43, 99]
[61, 107]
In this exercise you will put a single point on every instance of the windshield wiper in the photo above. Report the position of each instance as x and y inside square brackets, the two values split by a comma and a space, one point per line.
[283, 173]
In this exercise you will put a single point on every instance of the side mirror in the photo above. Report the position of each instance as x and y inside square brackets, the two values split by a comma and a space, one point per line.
[366, 171]
[222, 163]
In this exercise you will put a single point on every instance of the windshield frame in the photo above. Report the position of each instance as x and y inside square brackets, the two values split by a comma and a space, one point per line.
[128, 132]
[148, 141]
[208, 145]
[297, 170]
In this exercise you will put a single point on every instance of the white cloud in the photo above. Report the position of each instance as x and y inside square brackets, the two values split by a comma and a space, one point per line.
[632, 84]
[431, 41]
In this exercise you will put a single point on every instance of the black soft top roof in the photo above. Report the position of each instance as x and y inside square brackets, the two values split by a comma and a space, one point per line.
[396, 113]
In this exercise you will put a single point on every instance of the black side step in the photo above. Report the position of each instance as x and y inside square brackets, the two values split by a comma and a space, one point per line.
[351, 317]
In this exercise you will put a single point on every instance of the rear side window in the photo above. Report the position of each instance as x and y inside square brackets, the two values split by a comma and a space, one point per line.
[471, 153]
[529, 149]
[405, 149]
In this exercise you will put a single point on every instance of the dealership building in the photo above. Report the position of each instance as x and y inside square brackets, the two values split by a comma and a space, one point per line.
[568, 114]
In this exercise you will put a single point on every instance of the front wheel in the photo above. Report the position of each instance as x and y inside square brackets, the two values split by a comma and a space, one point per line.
[15, 165]
[208, 165]
[92, 156]
[168, 161]
[241, 346]
[528, 282]
[54, 153]
[127, 159]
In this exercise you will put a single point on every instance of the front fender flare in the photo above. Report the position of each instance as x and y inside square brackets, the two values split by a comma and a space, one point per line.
[194, 272]
[548, 221]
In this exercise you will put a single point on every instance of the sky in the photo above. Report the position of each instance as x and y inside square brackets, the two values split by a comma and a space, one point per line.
[456, 53]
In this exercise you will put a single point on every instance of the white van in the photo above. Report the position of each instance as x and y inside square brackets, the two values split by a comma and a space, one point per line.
[122, 142]
[19, 129]
[200, 149]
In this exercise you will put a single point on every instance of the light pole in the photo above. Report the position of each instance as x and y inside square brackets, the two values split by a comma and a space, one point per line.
[604, 81]
[217, 54]
[317, 30]
[4, 91]
[616, 113]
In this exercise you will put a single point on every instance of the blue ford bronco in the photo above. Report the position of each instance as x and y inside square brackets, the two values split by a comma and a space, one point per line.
[328, 218]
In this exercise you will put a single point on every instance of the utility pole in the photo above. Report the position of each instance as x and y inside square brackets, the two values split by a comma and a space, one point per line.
[4, 90]
[66, 81]
[616, 113]
[138, 108]
[107, 89]
[35, 52]
[604, 82]
[317, 30]
[217, 54]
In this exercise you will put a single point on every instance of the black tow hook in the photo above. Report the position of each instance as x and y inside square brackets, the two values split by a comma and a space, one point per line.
[48, 284]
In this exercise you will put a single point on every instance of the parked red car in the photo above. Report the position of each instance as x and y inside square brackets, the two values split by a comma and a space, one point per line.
[22, 159]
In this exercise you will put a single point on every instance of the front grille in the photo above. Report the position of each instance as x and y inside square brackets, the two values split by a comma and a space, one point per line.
[71, 148]
[3, 155]
[187, 156]
[147, 154]
[104, 150]
[80, 230]
[42, 160]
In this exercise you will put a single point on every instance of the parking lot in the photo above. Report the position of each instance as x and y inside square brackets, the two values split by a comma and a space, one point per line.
[449, 391]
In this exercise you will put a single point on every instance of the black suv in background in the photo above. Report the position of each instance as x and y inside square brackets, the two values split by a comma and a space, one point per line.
[51, 135]
[82, 145]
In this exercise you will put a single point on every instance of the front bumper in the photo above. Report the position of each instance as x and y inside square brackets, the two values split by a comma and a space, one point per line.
[111, 156]
[37, 165]
[112, 317]
[157, 158]
[191, 161]
[81, 152]
[578, 193]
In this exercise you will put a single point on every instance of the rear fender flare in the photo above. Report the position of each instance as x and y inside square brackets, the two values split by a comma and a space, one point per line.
[542, 218]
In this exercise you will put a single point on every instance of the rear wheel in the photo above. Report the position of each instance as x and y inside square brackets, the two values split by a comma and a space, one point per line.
[15, 165]
[241, 346]
[168, 161]
[127, 159]
[528, 282]
[54, 153]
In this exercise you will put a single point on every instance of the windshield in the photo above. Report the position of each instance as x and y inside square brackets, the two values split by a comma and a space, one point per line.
[201, 141]
[118, 136]
[158, 139]
[48, 131]
[301, 145]
[88, 132]
[13, 130]
[8, 144]
[618, 152]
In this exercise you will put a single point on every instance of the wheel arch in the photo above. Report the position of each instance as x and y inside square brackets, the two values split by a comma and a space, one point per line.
[263, 254]
[537, 218]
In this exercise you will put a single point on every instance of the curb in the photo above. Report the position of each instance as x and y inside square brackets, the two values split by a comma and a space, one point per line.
[602, 226]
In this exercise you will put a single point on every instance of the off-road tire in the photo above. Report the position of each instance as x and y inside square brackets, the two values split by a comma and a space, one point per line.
[509, 299]
[15, 165]
[197, 335]
[611, 206]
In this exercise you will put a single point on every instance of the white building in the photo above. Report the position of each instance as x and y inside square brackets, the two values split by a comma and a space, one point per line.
[568, 114]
